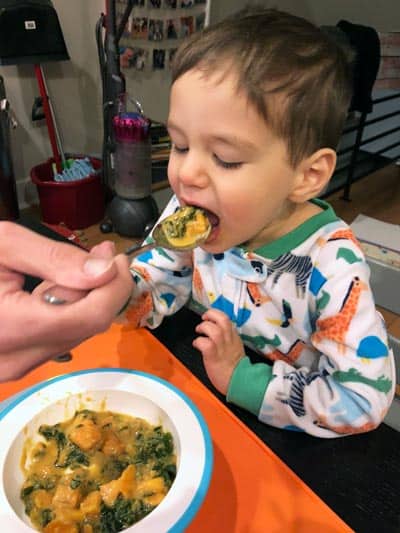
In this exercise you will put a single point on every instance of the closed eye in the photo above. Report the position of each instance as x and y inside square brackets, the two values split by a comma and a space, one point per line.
[227, 164]
[179, 149]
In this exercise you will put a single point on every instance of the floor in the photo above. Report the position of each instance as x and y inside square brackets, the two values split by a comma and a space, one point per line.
[377, 195]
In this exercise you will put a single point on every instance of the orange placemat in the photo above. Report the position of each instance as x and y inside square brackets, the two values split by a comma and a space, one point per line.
[251, 490]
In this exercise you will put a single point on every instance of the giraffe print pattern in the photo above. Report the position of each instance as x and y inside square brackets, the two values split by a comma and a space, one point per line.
[335, 327]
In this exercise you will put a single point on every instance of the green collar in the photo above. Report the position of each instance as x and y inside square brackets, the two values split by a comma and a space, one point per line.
[294, 238]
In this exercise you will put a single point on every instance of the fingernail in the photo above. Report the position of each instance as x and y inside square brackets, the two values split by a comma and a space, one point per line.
[95, 267]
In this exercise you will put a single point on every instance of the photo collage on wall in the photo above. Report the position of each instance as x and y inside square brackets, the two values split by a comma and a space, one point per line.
[154, 30]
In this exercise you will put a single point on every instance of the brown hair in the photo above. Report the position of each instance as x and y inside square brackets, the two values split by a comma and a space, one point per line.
[295, 75]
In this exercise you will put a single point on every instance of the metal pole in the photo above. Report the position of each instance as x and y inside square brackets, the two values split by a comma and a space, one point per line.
[53, 116]
[354, 155]
[47, 113]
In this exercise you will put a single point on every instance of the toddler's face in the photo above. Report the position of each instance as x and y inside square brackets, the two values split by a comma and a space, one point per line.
[226, 160]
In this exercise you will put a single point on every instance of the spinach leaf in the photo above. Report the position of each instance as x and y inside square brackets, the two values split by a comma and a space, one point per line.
[122, 514]
[46, 516]
[74, 458]
[53, 433]
[167, 471]
[158, 445]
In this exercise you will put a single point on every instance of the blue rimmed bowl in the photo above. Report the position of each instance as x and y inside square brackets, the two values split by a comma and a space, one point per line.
[124, 391]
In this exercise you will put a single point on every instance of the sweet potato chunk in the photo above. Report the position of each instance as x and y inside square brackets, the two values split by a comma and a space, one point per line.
[112, 444]
[58, 526]
[66, 497]
[150, 487]
[125, 485]
[42, 499]
[86, 434]
[91, 504]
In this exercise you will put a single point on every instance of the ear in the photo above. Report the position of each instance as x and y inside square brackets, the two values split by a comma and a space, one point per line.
[313, 174]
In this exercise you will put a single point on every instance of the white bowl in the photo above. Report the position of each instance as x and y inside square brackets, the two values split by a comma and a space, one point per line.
[125, 391]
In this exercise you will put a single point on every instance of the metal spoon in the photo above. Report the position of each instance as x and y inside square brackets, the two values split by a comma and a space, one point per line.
[171, 227]
[166, 233]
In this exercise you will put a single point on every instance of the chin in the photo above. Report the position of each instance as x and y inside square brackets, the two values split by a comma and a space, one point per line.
[213, 249]
[216, 247]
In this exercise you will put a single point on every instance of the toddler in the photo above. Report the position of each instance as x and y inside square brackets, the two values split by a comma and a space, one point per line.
[257, 107]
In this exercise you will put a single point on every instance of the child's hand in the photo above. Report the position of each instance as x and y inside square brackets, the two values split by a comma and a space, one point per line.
[220, 346]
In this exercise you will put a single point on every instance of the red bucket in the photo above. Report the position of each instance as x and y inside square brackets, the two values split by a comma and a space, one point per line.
[77, 204]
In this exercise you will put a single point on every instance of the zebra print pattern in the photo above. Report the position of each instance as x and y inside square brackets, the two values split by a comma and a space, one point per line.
[296, 396]
[298, 265]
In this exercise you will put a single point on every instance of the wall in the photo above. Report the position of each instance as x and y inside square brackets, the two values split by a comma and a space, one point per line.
[384, 16]
[75, 87]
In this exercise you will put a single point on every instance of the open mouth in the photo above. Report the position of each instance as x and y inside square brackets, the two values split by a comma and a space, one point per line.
[212, 218]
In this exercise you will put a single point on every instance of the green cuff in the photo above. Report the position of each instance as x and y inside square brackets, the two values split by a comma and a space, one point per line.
[248, 385]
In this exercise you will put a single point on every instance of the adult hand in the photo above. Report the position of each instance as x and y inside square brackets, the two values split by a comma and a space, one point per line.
[220, 346]
[32, 330]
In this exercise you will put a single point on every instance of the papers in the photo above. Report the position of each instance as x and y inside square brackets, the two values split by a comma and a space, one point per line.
[373, 231]
[379, 240]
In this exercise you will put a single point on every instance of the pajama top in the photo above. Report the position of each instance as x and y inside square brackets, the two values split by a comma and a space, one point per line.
[304, 303]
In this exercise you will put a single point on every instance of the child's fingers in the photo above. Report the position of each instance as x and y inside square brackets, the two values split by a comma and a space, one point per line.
[217, 316]
[205, 345]
[211, 330]
[220, 333]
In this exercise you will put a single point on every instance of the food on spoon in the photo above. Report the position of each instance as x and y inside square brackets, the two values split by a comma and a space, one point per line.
[184, 229]
[98, 471]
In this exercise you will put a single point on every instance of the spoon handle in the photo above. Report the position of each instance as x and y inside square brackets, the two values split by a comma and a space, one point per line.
[139, 248]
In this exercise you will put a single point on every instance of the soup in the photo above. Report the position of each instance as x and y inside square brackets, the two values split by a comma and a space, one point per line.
[185, 227]
[98, 472]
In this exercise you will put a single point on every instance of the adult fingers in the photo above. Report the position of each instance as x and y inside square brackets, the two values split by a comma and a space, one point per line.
[27, 252]
[97, 309]
[104, 250]
[17, 363]
[10, 281]
[42, 323]
[47, 291]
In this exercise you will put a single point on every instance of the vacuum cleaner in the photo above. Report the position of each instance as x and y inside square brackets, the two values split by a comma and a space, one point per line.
[131, 211]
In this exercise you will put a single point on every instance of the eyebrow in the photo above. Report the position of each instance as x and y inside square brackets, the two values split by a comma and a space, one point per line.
[232, 140]
[235, 141]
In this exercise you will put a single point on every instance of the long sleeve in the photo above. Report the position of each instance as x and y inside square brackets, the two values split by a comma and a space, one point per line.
[163, 282]
[351, 388]
[304, 303]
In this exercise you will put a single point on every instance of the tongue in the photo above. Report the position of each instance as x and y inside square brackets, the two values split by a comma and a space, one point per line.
[213, 219]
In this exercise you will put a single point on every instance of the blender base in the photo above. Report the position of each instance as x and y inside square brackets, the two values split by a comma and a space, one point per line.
[131, 217]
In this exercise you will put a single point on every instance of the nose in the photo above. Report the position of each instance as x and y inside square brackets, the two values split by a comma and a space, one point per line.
[192, 170]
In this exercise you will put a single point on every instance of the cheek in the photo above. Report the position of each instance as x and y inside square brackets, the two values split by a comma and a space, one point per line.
[234, 209]
[172, 173]
[251, 208]
[238, 199]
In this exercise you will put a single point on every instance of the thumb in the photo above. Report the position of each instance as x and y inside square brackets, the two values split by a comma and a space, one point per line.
[26, 252]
